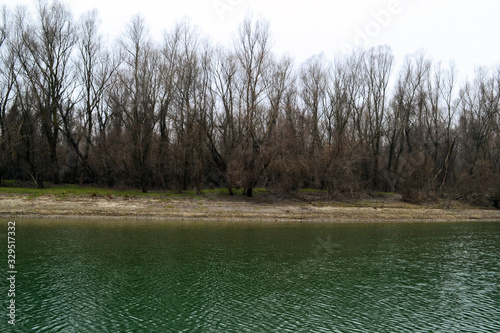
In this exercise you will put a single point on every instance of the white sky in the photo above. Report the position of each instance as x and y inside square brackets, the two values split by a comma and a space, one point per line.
[465, 31]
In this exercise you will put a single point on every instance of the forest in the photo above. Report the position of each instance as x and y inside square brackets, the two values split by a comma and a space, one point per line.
[183, 113]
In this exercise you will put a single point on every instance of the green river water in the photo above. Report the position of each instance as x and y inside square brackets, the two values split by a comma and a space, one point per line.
[103, 276]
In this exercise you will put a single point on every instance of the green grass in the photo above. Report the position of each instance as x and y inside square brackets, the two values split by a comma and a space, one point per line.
[70, 190]
[63, 191]
[311, 190]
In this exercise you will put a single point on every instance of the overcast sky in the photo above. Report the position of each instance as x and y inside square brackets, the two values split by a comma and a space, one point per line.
[465, 31]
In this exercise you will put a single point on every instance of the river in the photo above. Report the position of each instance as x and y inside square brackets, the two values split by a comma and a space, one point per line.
[105, 276]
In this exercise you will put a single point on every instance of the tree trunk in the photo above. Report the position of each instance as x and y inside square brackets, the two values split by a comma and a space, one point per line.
[83, 168]
[80, 181]
[53, 159]
[55, 168]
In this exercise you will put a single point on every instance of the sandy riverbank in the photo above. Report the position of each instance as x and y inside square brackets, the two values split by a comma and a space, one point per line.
[261, 208]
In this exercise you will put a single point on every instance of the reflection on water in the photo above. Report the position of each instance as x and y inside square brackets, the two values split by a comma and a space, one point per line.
[206, 277]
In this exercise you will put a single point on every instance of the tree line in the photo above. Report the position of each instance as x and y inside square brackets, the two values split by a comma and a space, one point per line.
[182, 113]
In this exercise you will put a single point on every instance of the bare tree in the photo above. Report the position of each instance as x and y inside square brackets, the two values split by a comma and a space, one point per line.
[168, 71]
[379, 64]
[407, 123]
[479, 125]
[439, 116]
[479, 116]
[253, 54]
[278, 144]
[186, 115]
[313, 83]
[204, 99]
[225, 133]
[45, 55]
[344, 124]
[136, 100]
[94, 70]
[8, 73]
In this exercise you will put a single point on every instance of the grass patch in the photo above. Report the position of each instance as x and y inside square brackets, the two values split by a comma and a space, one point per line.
[311, 190]
[71, 190]
[67, 190]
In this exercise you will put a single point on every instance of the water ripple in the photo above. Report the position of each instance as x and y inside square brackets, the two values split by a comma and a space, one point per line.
[404, 278]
